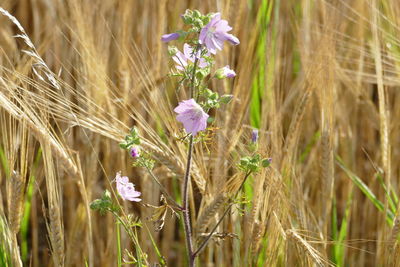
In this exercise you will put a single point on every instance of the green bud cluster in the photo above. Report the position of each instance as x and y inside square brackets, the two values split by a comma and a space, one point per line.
[104, 204]
[131, 140]
[253, 163]
[213, 100]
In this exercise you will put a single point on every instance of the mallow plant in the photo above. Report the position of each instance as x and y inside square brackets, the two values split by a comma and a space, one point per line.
[194, 66]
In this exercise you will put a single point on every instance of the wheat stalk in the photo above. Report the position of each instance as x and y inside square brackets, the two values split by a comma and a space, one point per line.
[311, 252]
[206, 216]
[17, 201]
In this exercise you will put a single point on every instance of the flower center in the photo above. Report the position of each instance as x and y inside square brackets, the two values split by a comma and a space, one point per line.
[211, 31]
[197, 112]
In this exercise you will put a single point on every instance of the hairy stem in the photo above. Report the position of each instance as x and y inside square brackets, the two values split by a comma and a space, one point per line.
[185, 202]
[185, 205]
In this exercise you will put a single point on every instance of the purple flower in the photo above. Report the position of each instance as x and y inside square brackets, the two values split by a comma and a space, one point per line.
[188, 54]
[169, 37]
[134, 152]
[192, 116]
[225, 72]
[254, 136]
[215, 33]
[126, 189]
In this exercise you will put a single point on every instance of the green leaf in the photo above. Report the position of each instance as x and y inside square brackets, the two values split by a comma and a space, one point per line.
[226, 99]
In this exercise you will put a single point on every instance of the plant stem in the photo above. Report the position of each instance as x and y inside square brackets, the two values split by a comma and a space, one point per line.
[119, 256]
[202, 245]
[132, 236]
[185, 205]
[185, 202]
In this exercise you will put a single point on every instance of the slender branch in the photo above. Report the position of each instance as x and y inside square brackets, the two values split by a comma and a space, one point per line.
[185, 205]
[164, 190]
[204, 243]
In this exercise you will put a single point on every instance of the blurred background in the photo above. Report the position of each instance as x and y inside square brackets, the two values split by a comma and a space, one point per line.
[318, 78]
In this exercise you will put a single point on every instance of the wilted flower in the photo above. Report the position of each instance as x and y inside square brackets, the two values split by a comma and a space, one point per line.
[134, 152]
[169, 37]
[215, 33]
[225, 72]
[126, 189]
[192, 116]
[188, 54]
[254, 136]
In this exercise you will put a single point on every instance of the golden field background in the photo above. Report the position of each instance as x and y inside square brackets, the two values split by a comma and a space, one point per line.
[318, 78]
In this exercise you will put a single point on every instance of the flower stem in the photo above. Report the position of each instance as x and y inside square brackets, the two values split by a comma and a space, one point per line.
[185, 202]
[185, 205]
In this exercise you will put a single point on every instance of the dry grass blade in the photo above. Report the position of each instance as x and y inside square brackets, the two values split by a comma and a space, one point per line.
[311, 252]
[315, 78]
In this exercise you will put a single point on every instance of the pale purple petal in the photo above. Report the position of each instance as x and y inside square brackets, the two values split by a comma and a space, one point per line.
[210, 46]
[215, 33]
[217, 43]
[215, 19]
[187, 50]
[203, 35]
[185, 105]
[126, 189]
[223, 26]
[232, 39]
[229, 73]
[169, 37]
[202, 63]
[181, 60]
[192, 116]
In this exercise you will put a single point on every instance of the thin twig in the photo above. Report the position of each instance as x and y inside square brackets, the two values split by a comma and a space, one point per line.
[185, 205]
[202, 245]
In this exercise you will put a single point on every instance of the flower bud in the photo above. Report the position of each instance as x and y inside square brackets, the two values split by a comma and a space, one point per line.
[225, 72]
[266, 162]
[169, 37]
[187, 17]
[196, 14]
[254, 136]
[172, 50]
[134, 152]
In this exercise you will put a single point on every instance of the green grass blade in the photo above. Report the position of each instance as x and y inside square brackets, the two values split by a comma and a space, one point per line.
[3, 161]
[366, 190]
[160, 257]
[309, 146]
[119, 252]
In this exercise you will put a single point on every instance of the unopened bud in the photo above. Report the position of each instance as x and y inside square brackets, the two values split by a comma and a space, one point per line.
[172, 50]
[254, 136]
[225, 72]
